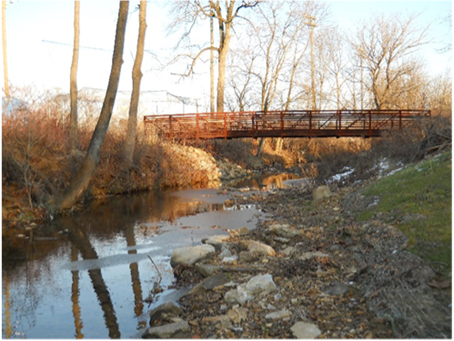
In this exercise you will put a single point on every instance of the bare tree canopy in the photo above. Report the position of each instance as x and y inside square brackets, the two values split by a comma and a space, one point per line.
[386, 46]
[186, 16]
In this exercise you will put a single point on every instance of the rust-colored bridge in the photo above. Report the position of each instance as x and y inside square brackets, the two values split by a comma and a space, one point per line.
[293, 123]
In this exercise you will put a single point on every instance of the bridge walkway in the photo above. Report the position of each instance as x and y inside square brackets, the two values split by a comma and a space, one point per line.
[292, 123]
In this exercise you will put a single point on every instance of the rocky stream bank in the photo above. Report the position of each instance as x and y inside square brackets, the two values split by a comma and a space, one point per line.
[312, 271]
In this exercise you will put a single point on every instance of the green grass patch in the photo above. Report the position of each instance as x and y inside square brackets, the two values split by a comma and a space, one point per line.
[418, 201]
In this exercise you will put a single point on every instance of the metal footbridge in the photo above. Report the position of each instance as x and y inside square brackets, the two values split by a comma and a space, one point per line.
[291, 123]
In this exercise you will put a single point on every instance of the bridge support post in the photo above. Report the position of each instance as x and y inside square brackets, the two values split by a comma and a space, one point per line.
[170, 126]
[282, 124]
[197, 126]
[310, 124]
[339, 113]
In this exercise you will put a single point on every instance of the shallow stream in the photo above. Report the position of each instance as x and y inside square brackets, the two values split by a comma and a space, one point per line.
[89, 276]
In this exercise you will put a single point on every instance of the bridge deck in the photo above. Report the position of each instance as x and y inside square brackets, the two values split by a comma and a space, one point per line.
[295, 123]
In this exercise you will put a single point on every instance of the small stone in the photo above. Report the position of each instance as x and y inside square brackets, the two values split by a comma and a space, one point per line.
[304, 330]
[338, 289]
[207, 270]
[209, 284]
[243, 231]
[237, 315]
[247, 256]
[320, 193]
[176, 330]
[279, 315]
[309, 255]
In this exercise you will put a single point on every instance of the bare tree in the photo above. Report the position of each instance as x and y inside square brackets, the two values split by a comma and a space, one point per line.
[81, 180]
[128, 150]
[336, 63]
[5, 63]
[189, 12]
[73, 82]
[385, 45]
[239, 78]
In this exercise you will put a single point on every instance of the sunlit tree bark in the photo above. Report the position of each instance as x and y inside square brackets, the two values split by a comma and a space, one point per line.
[80, 182]
[128, 150]
[73, 82]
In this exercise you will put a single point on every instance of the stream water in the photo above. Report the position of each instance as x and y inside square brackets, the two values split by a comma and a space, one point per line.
[89, 276]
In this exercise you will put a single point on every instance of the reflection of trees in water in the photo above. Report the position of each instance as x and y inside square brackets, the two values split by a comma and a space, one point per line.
[80, 240]
[7, 328]
[29, 280]
[75, 296]
[134, 269]
[265, 181]
[110, 216]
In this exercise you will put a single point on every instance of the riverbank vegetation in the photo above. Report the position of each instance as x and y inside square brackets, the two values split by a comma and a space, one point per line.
[36, 163]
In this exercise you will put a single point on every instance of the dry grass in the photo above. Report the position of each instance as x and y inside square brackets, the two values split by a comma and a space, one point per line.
[36, 163]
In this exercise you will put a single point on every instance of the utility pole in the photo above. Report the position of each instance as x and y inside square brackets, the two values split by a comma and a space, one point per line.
[5, 64]
[212, 108]
[311, 24]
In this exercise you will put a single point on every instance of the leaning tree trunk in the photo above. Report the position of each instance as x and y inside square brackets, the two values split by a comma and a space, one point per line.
[73, 82]
[80, 182]
[128, 150]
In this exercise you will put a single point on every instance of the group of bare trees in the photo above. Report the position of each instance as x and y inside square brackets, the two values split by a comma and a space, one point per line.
[80, 182]
[273, 55]
[287, 54]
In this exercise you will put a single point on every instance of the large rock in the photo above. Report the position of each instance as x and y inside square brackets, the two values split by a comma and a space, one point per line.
[304, 330]
[209, 284]
[190, 255]
[176, 330]
[284, 230]
[165, 310]
[321, 193]
[257, 286]
[260, 248]
[206, 270]
[216, 240]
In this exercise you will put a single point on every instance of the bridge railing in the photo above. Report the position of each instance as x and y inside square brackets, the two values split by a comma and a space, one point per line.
[293, 123]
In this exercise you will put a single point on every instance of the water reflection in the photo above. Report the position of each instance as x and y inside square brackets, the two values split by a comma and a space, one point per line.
[80, 240]
[75, 296]
[267, 181]
[84, 272]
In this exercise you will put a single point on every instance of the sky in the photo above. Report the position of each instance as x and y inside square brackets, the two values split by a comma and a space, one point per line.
[40, 38]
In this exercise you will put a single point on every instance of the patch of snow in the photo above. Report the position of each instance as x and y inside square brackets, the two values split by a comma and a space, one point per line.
[346, 172]
[395, 171]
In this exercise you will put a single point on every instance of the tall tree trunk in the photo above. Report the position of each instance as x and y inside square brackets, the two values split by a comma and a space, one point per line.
[5, 63]
[73, 82]
[80, 182]
[128, 150]
[223, 50]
